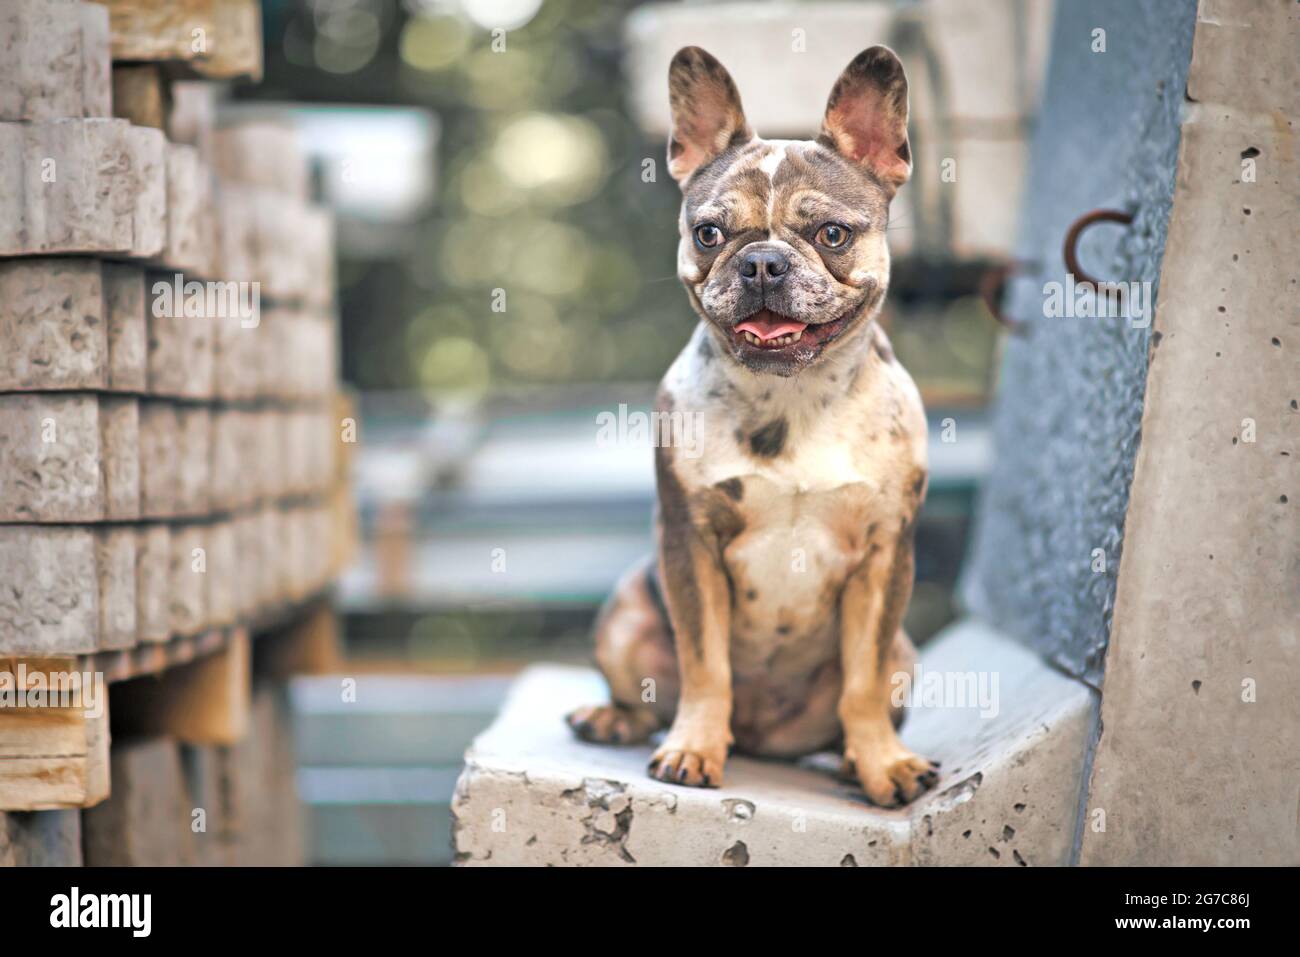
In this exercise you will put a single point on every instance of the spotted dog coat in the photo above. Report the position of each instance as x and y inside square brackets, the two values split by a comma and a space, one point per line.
[770, 617]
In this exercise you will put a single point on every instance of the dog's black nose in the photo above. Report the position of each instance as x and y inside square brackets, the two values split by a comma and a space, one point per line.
[764, 267]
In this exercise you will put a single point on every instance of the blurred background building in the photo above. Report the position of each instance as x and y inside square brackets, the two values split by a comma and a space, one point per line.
[507, 237]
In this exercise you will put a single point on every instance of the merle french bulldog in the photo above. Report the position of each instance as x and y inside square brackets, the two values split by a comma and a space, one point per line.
[770, 617]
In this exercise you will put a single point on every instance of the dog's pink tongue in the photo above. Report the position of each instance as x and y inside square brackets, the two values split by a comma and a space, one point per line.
[768, 325]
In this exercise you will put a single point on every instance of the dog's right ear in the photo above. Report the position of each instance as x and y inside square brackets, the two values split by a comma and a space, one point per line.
[707, 115]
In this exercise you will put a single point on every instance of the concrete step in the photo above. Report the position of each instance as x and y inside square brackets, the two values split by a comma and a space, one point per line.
[1011, 734]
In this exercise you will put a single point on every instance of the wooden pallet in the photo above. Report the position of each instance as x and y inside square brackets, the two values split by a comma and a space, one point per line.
[193, 690]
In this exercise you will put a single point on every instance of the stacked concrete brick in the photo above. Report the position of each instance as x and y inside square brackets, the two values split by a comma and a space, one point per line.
[170, 424]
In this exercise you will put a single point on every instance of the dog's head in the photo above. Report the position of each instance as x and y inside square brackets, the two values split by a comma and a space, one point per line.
[782, 242]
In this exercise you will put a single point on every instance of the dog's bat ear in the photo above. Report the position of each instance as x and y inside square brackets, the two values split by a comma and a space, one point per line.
[706, 110]
[866, 116]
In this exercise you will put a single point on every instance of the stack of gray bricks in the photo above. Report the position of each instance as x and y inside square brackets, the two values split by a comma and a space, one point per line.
[170, 417]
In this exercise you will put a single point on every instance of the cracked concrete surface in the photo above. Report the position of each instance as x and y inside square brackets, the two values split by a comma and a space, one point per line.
[532, 795]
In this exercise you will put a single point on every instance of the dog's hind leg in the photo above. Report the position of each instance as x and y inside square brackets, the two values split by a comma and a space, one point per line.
[635, 652]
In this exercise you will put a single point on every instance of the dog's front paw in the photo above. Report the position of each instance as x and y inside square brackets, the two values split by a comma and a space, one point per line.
[694, 764]
[612, 724]
[891, 775]
[690, 768]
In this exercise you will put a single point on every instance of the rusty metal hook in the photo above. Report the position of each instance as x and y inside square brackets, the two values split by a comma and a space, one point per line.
[991, 285]
[1070, 251]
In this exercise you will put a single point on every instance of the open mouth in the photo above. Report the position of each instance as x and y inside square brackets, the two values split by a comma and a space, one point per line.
[771, 331]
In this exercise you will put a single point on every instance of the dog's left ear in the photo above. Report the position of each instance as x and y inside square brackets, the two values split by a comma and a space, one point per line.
[706, 110]
[866, 116]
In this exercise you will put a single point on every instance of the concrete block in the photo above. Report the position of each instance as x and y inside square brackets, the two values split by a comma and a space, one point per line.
[273, 450]
[120, 438]
[54, 60]
[240, 152]
[52, 325]
[40, 839]
[146, 822]
[68, 458]
[1198, 756]
[191, 220]
[292, 555]
[202, 768]
[97, 68]
[240, 352]
[232, 438]
[297, 452]
[194, 451]
[152, 582]
[273, 549]
[193, 114]
[223, 574]
[321, 449]
[55, 175]
[128, 349]
[531, 794]
[319, 275]
[250, 594]
[309, 343]
[309, 452]
[180, 341]
[187, 600]
[47, 606]
[237, 234]
[1238, 50]
[261, 815]
[115, 560]
[159, 459]
[281, 241]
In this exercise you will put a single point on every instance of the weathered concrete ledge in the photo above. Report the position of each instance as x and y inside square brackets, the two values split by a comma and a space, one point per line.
[532, 795]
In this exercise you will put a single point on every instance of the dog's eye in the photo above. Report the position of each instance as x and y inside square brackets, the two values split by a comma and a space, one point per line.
[833, 235]
[708, 236]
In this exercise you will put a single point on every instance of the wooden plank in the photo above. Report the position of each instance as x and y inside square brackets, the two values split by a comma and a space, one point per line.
[219, 39]
[141, 94]
[53, 757]
[203, 702]
[308, 646]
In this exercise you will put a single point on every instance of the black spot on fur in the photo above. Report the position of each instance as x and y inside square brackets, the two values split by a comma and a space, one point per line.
[733, 487]
[768, 441]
